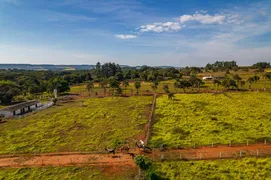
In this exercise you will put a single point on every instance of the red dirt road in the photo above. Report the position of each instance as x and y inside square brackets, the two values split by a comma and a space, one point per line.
[65, 159]
[120, 159]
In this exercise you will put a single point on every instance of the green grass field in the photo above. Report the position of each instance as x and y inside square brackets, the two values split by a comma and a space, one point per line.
[146, 87]
[207, 118]
[248, 168]
[72, 127]
[50, 173]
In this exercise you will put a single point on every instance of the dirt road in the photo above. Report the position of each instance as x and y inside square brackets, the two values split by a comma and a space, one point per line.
[119, 159]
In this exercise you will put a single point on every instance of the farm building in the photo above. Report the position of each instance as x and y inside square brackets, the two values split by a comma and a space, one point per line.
[212, 78]
[207, 77]
[20, 108]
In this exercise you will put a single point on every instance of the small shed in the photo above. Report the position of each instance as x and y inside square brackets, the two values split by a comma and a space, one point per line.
[19, 109]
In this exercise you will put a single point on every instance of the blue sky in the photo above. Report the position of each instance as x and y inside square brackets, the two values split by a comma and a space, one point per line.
[135, 32]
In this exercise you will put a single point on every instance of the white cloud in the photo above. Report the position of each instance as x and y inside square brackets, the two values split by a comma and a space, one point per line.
[15, 2]
[121, 36]
[54, 16]
[160, 27]
[203, 18]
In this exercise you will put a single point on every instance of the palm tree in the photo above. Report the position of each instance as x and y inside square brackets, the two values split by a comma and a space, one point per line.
[90, 85]
[137, 86]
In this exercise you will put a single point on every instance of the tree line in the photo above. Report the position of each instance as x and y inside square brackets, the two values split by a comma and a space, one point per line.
[22, 82]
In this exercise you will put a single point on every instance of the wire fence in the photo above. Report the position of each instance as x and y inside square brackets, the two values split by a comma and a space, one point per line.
[223, 154]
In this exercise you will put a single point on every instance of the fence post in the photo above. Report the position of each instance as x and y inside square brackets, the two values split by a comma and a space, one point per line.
[265, 142]
[153, 153]
[162, 156]
[180, 156]
[212, 144]
[240, 154]
[229, 143]
[194, 145]
[220, 155]
[247, 142]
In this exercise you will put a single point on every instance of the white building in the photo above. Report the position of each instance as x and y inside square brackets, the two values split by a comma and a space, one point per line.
[19, 109]
[207, 77]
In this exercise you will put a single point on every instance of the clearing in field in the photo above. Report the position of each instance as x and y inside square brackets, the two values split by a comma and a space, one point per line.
[99, 123]
[206, 118]
[247, 168]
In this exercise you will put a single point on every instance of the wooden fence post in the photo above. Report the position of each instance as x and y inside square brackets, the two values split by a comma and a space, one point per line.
[265, 142]
[240, 154]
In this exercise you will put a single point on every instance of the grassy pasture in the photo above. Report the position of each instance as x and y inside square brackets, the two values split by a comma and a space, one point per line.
[146, 86]
[72, 127]
[248, 168]
[94, 172]
[207, 118]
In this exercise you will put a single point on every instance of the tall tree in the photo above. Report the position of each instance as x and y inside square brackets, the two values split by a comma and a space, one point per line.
[137, 85]
[154, 85]
[114, 84]
[8, 90]
[250, 81]
[266, 76]
[166, 88]
[90, 85]
[58, 83]
[216, 83]
[103, 84]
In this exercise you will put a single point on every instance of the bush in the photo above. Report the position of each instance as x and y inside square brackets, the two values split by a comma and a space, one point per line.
[143, 162]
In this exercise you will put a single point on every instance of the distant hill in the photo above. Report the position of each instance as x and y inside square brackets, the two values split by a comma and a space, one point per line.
[45, 67]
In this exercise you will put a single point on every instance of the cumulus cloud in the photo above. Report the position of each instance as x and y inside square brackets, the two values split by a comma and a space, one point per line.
[121, 36]
[203, 18]
[160, 27]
